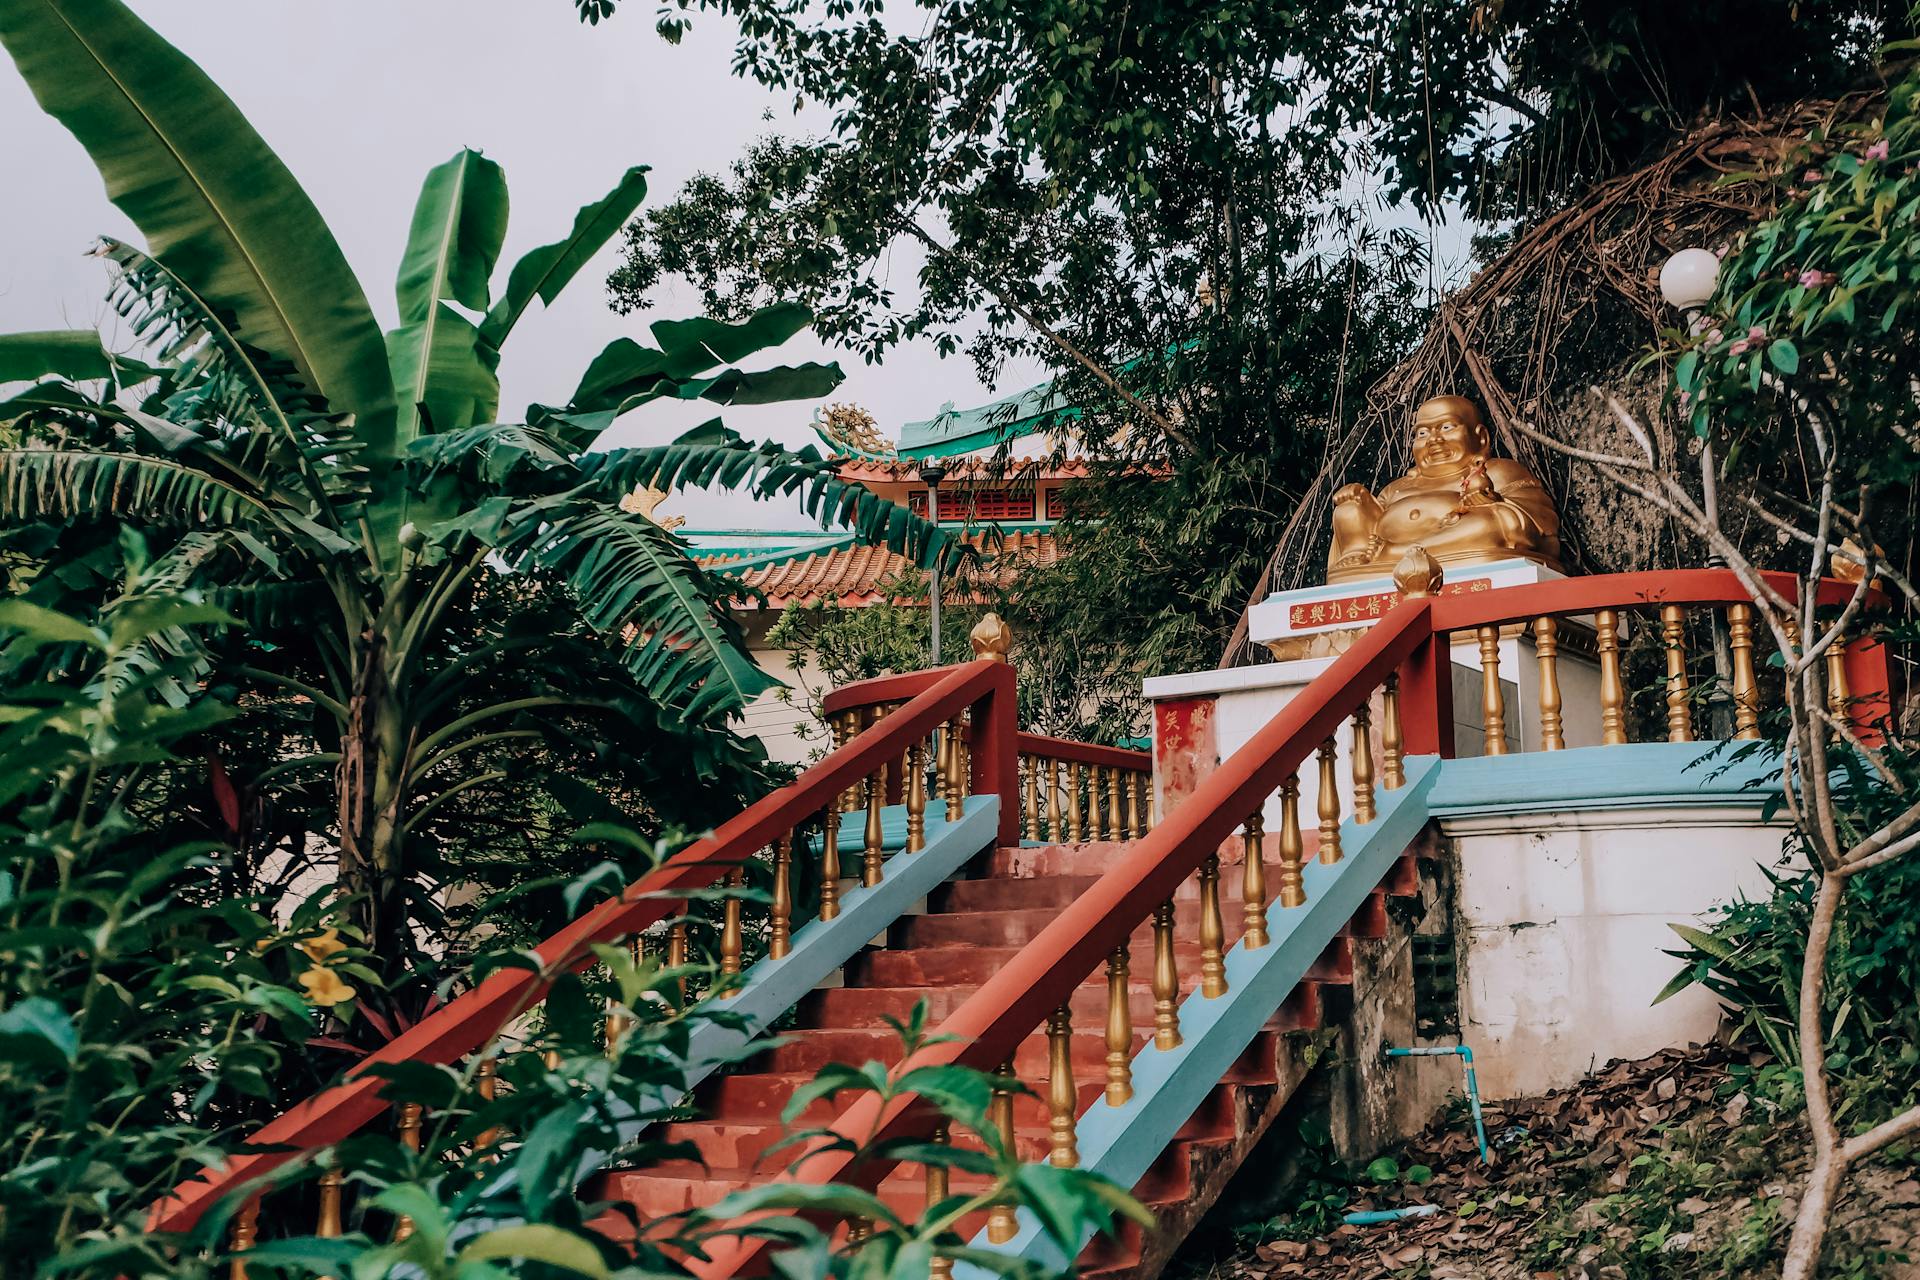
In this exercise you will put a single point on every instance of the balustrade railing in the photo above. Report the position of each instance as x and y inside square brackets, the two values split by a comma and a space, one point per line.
[884, 731]
[1075, 791]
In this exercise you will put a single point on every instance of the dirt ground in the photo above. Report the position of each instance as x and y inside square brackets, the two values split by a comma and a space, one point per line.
[1672, 1166]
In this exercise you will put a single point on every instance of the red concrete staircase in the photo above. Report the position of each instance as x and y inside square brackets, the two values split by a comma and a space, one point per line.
[972, 928]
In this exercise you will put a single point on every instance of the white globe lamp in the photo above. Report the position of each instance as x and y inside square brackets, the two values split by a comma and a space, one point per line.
[1688, 278]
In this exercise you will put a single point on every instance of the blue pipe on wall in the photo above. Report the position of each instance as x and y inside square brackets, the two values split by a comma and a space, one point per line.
[1465, 1054]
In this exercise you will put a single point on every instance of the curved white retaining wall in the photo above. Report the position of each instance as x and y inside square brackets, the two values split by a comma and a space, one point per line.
[1569, 867]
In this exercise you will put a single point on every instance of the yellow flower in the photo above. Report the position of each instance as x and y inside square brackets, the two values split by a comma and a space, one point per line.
[325, 988]
[323, 945]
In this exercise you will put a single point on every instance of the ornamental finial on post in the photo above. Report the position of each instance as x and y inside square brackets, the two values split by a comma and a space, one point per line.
[1418, 574]
[991, 637]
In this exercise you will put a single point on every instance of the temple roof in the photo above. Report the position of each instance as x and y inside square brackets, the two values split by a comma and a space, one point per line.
[856, 575]
[953, 431]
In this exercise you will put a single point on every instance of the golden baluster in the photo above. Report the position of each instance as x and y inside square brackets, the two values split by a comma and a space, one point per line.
[1056, 821]
[963, 759]
[1253, 885]
[1546, 648]
[1213, 933]
[1062, 1100]
[873, 852]
[780, 915]
[242, 1234]
[617, 1022]
[1119, 1027]
[411, 1115]
[1363, 810]
[956, 771]
[1746, 688]
[1839, 690]
[917, 796]
[844, 730]
[1393, 744]
[938, 1268]
[327, 1224]
[1133, 804]
[1001, 1222]
[1030, 808]
[1115, 831]
[1076, 831]
[677, 950]
[1293, 892]
[1329, 805]
[1493, 706]
[486, 1083]
[830, 866]
[1673, 633]
[732, 941]
[1613, 689]
[1166, 981]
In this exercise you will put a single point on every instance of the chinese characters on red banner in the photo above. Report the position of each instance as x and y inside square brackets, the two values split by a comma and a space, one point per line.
[1367, 608]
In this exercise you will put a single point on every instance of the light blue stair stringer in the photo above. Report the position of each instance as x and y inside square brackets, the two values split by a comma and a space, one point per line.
[1170, 1084]
[819, 948]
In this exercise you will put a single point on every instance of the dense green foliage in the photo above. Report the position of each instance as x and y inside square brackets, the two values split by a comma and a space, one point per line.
[143, 1012]
[352, 496]
[1813, 323]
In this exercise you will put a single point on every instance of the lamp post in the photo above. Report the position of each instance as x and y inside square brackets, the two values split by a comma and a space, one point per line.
[1687, 283]
[933, 471]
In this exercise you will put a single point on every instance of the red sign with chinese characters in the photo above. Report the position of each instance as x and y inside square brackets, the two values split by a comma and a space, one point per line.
[1327, 613]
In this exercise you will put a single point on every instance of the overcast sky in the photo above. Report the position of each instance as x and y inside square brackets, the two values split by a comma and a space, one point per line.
[361, 97]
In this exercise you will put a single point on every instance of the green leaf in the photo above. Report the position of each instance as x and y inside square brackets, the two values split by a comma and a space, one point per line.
[545, 271]
[1419, 1174]
[1385, 1169]
[459, 224]
[37, 1029]
[1783, 355]
[437, 367]
[1703, 941]
[626, 571]
[44, 626]
[67, 353]
[210, 196]
[626, 371]
[537, 1242]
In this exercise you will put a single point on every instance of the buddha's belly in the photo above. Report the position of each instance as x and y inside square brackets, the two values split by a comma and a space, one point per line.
[1419, 518]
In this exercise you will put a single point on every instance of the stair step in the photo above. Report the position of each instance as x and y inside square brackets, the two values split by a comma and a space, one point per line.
[811, 1050]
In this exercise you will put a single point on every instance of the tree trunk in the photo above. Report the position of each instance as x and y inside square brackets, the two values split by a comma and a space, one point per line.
[369, 780]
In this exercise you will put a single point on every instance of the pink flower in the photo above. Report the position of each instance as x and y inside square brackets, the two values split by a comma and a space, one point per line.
[1739, 348]
[1756, 334]
[1812, 175]
[1878, 151]
[1811, 279]
[1714, 335]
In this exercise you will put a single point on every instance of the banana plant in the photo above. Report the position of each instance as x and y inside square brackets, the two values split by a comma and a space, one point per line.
[341, 489]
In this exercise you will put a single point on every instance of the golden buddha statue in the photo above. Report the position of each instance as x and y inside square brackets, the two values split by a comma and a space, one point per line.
[1462, 504]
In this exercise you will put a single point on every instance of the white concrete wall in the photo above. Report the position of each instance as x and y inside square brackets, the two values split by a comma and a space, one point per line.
[1563, 921]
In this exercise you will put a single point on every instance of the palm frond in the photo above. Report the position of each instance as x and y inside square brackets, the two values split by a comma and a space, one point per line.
[635, 580]
[222, 381]
[711, 455]
[72, 484]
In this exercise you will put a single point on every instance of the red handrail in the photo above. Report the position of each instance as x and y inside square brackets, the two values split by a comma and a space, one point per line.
[474, 1018]
[1412, 641]
[1050, 748]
